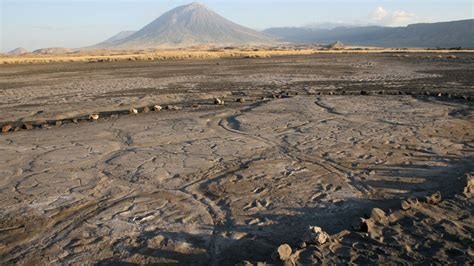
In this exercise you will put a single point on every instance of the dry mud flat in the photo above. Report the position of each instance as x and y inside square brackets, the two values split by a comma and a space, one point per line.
[229, 184]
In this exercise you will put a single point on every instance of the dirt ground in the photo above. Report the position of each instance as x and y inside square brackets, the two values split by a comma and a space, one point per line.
[321, 140]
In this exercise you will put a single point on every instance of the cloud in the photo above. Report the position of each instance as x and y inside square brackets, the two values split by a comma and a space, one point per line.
[391, 18]
[379, 14]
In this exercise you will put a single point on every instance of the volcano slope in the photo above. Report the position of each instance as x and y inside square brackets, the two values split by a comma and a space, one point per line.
[213, 184]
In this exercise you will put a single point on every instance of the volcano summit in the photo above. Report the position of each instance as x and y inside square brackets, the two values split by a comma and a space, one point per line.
[189, 25]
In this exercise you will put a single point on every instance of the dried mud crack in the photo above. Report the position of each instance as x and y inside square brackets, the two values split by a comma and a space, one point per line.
[227, 184]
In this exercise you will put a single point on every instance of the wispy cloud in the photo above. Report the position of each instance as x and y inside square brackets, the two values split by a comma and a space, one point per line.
[380, 15]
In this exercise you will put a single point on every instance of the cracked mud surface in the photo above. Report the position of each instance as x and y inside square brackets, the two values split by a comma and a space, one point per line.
[220, 185]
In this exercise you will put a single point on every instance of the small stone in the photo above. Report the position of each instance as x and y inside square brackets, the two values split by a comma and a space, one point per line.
[157, 108]
[27, 126]
[218, 101]
[6, 128]
[284, 252]
[378, 215]
[364, 92]
[241, 100]
[58, 123]
[93, 117]
[406, 205]
[133, 111]
[413, 201]
[363, 225]
[173, 107]
[434, 199]
[451, 56]
[146, 109]
[469, 188]
[315, 235]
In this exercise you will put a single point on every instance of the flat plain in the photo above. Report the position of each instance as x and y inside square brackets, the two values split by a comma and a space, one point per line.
[315, 140]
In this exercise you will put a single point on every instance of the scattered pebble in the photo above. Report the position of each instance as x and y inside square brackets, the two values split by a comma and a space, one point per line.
[434, 199]
[93, 117]
[7, 128]
[315, 235]
[283, 252]
[469, 189]
[218, 101]
[173, 107]
[27, 126]
[378, 215]
[241, 100]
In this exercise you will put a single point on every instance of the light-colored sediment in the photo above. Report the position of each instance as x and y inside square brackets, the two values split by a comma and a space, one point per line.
[224, 185]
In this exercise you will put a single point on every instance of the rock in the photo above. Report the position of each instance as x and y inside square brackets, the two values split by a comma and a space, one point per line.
[409, 203]
[133, 111]
[146, 109]
[363, 225]
[405, 205]
[7, 128]
[27, 126]
[378, 215]
[157, 108]
[451, 56]
[315, 235]
[241, 100]
[93, 117]
[283, 253]
[469, 189]
[434, 199]
[173, 107]
[58, 123]
[218, 101]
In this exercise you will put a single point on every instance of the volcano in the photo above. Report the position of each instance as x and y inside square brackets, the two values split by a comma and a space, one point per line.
[189, 25]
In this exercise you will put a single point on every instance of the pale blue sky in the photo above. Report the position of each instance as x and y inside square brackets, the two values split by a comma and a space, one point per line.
[76, 23]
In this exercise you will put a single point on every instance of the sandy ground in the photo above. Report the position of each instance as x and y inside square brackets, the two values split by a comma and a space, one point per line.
[229, 184]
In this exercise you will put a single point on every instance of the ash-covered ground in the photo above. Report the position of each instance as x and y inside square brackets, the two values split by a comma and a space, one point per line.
[300, 141]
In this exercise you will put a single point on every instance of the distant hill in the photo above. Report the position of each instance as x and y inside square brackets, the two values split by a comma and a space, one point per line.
[54, 50]
[18, 51]
[188, 25]
[426, 35]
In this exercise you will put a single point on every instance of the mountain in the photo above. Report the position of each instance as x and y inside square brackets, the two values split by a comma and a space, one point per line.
[333, 25]
[189, 25]
[427, 35]
[18, 51]
[117, 37]
[54, 50]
